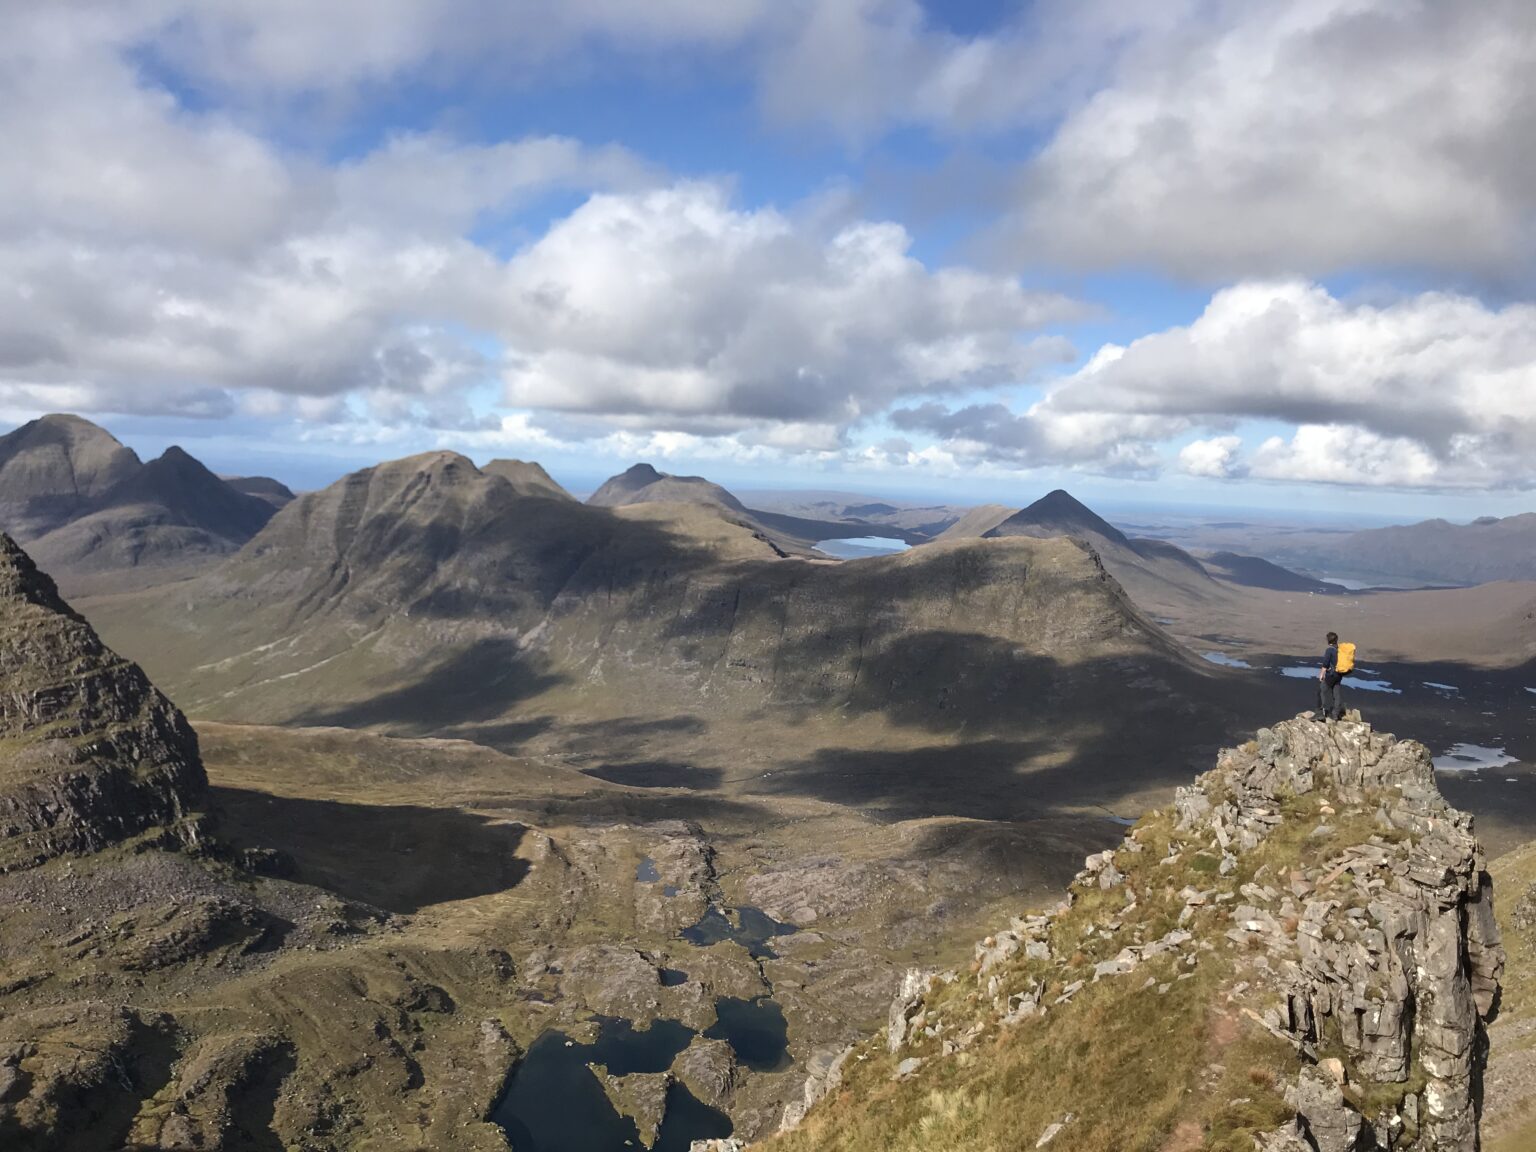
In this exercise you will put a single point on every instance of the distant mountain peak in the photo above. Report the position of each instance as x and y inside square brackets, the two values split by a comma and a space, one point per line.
[53, 467]
[643, 484]
[1058, 513]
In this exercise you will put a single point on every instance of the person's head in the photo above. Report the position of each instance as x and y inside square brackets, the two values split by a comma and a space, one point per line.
[1333, 637]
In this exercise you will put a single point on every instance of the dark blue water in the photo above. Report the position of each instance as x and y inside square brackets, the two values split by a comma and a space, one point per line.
[756, 1031]
[752, 928]
[673, 977]
[687, 1119]
[646, 873]
[555, 1103]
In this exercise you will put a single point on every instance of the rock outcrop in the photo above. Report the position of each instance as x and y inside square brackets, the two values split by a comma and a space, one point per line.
[1395, 959]
[1334, 909]
[94, 754]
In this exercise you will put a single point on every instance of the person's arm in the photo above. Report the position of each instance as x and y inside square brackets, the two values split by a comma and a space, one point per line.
[1330, 662]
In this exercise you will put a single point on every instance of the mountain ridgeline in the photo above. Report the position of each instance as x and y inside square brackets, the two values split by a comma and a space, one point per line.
[93, 753]
[92, 513]
[446, 590]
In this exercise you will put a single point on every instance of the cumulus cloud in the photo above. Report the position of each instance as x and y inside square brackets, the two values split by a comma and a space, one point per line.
[1339, 454]
[1428, 390]
[146, 248]
[153, 258]
[1216, 458]
[676, 305]
[1301, 136]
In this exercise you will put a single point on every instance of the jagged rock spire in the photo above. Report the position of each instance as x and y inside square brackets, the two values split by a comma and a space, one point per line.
[94, 753]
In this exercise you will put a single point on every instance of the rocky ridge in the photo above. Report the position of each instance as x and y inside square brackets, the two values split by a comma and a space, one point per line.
[94, 753]
[1312, 908]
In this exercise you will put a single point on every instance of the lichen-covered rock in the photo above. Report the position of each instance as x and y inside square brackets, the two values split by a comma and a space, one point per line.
[825, 1074]
[708, 1069]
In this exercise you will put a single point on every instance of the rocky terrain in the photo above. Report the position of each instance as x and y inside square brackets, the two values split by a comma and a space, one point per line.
[1299, 953]
[274, 492]
[352, 941]
[93, 754]
[99, 519]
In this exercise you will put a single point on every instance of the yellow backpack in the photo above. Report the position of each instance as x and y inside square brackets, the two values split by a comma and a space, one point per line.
[1346, 661]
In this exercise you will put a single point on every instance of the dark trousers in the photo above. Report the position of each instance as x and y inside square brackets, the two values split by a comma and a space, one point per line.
[1330, 695]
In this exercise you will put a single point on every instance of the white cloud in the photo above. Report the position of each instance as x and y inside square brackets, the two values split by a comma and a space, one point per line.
[156, 259]
[675, 305]
[1215, 458]
[1338, 454]
[1434, 389]
[1301, 136]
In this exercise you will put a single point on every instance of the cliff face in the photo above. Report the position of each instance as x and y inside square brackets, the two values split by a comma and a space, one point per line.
[1299, 955]
[92, 752]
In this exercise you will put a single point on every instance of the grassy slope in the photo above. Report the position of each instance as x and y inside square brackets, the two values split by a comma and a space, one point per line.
[1137, 1068]
[1511, 1102]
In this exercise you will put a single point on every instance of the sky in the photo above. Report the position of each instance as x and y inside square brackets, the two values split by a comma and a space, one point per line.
[1213, 252]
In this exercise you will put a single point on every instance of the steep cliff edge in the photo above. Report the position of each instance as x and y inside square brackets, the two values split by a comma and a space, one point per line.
[92, 753]
[1299, 954]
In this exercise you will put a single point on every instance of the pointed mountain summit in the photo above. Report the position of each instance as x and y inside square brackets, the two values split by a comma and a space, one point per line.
[94, 753]
[52, 468]
[1059, 513]
[167, 518]
[192, 496]
[643, 484]
[1155, 572]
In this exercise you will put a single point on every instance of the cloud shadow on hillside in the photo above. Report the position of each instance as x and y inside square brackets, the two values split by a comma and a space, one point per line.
[476, 685]
[397, 857]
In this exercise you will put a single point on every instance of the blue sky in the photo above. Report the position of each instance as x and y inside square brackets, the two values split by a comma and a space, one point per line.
[1196, 252]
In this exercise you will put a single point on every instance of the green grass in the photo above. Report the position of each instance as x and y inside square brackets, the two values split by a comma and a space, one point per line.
[1135, 1068]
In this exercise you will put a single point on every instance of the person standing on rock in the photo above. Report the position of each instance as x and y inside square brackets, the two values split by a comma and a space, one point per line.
[1330, 682]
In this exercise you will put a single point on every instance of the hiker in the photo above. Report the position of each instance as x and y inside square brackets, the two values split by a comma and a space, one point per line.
[1330, 682]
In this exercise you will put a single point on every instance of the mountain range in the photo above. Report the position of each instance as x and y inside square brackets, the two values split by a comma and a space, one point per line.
[1430, 552]
[485, 778]
[91, 511]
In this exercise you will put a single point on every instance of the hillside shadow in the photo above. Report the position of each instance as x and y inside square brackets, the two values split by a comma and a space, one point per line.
[1093, 737]
[945, 681]
[475, 685]
[401, 858]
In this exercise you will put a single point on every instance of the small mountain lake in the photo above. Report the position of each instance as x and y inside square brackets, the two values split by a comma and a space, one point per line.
[756, 1031]
[861, 547]
[1309, 672]
[556, 1103]
[752, 928]
[1224, 660]
[1473, 758]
